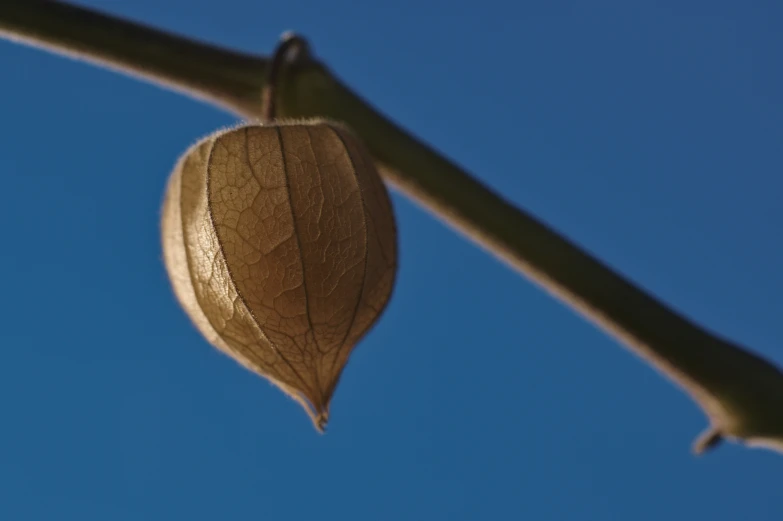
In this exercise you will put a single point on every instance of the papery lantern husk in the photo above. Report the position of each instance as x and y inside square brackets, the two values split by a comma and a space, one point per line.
[281, 246]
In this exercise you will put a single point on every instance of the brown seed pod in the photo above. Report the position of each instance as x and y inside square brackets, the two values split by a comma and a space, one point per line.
[281, 246]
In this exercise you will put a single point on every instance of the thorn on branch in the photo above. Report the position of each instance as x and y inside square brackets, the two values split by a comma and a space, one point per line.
[707, 440]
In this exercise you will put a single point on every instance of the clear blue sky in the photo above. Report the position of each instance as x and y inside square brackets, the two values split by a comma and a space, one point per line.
[651, 136]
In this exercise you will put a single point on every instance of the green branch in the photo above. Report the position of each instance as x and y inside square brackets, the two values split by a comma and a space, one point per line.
[741, 393]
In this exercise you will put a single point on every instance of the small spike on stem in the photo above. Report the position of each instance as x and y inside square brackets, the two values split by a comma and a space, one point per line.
[707, 440]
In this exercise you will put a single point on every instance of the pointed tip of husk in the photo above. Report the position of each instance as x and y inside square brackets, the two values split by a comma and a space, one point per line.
[320, 421]
[317, 410]
[319, 417]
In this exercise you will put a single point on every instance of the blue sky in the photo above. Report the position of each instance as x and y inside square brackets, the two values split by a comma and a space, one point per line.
[649, 135]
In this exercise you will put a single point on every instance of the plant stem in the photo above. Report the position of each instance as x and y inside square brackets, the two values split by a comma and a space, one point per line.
[228, 78]
[741, 393]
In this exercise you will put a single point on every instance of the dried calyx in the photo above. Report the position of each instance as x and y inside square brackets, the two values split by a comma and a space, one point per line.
[280, 243]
